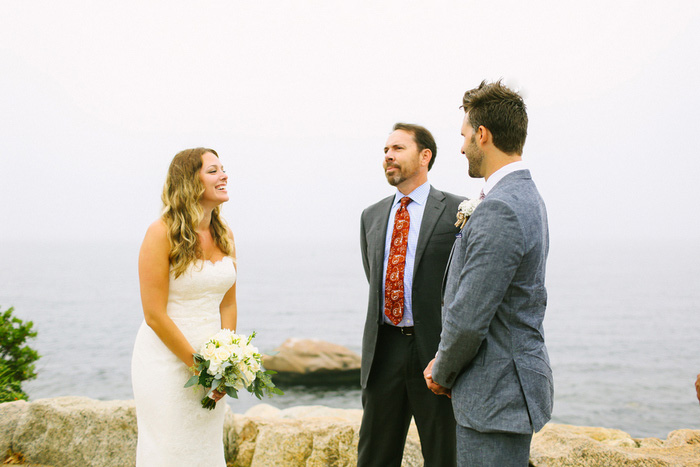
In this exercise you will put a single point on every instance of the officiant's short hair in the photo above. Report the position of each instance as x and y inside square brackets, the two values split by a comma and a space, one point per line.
[422, 137]
[502, 111]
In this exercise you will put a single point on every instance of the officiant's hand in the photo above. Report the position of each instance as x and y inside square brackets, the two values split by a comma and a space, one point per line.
[432, 385]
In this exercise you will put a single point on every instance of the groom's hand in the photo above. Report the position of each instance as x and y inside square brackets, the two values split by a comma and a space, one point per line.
[432, 385]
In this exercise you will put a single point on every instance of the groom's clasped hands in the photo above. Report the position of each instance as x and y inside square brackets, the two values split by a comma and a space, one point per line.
[432, 385]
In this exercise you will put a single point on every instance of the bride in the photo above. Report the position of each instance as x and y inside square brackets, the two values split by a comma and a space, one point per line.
[187, 276]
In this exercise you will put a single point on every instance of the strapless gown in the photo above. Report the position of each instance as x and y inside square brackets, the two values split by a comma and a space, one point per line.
[173, 428]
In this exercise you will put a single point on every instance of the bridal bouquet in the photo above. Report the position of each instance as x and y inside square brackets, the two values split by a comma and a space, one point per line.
[228, 362]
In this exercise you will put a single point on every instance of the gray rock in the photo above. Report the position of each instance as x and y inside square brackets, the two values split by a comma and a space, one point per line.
[312, 362]
[72, 431]
[566, 445]
[305, 436]
[10, 415]
[80, 432]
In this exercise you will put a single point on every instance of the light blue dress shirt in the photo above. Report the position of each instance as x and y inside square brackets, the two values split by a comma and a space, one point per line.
[416, 207]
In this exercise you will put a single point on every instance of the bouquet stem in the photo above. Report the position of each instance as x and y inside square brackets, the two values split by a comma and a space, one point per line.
[208, 403]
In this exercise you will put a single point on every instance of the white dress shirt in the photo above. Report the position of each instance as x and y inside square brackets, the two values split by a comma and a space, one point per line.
[502, 172]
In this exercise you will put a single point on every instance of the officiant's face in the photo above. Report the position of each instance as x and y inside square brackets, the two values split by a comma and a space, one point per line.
[475, 156]
[401, 158]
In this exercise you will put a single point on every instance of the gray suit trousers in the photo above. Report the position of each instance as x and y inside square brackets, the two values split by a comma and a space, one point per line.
[475, 449]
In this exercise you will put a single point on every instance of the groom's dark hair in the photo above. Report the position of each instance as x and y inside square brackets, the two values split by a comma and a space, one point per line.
[502, 111]
[422, 137]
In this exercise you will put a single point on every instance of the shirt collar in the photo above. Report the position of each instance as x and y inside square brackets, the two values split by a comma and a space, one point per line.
[502, 172]
[419, 195]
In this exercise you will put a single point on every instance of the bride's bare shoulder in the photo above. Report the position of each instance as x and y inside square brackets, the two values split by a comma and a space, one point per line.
[157, 235]
[157, 228]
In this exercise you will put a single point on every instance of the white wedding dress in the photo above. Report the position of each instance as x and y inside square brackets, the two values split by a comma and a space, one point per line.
[173, 427]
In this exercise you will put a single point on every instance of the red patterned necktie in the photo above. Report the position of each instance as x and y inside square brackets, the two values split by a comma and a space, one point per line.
[482, 195]
[393, 286]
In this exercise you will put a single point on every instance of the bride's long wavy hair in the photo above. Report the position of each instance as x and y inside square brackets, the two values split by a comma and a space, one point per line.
[182, 212]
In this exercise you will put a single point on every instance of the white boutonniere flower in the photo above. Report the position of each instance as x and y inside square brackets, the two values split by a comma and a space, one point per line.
[466, 209]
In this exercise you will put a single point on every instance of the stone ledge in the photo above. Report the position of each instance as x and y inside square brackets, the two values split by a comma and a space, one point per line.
[82, 432]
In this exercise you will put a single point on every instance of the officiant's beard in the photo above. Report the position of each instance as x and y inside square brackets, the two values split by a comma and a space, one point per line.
[406, 170]
[400, 176]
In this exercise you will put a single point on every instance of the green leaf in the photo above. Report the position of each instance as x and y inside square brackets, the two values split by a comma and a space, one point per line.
[16, 358]
[192, 381]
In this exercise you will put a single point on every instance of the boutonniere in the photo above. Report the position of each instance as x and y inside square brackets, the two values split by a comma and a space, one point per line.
[466, 209]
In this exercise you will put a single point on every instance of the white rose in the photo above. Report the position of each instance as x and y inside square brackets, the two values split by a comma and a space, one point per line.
[214, 368]
[222, 337]
[208, 351]
[230, 349]
[250, 375]
[243, 370]
[222, 354]
[220, 340]
[249, 350]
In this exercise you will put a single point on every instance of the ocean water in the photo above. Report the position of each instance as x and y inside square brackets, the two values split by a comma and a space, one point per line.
[622, 323]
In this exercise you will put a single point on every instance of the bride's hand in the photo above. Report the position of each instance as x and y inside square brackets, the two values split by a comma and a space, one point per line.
[217, 395]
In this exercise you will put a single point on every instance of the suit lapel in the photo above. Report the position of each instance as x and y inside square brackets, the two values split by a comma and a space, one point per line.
[378, 243]
[434, 206]
[447, 269]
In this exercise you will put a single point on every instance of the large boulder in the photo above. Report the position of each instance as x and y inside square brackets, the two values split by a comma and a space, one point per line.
[70, 431]
[567, 446]
[312, 361]
[80, 432]
[310, 436]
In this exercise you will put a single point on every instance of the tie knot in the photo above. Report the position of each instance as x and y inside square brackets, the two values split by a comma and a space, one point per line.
[404, 202]
[482, 195]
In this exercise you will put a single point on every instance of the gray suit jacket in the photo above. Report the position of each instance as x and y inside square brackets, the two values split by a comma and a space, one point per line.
[435, 240]
[492, 352]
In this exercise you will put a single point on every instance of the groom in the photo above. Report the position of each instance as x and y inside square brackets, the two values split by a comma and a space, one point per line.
[405, 240]
[492, 359]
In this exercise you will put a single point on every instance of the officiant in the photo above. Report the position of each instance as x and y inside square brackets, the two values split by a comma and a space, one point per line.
[405, 241]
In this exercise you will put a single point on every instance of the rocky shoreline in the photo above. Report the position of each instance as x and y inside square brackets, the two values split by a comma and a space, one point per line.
[80, 432]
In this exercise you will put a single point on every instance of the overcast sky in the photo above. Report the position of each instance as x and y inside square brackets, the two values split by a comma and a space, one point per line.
[298, 98]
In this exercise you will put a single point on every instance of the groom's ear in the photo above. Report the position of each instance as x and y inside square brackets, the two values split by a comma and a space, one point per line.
[483, 136]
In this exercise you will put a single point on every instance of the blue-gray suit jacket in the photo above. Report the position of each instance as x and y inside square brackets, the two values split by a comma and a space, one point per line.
[492, 352]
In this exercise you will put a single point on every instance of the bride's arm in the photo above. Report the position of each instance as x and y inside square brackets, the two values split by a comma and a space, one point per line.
[228, 307]
[154, 276]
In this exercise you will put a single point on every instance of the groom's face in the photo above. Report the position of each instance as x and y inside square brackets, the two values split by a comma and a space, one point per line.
[401, 158]
[475, 156]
